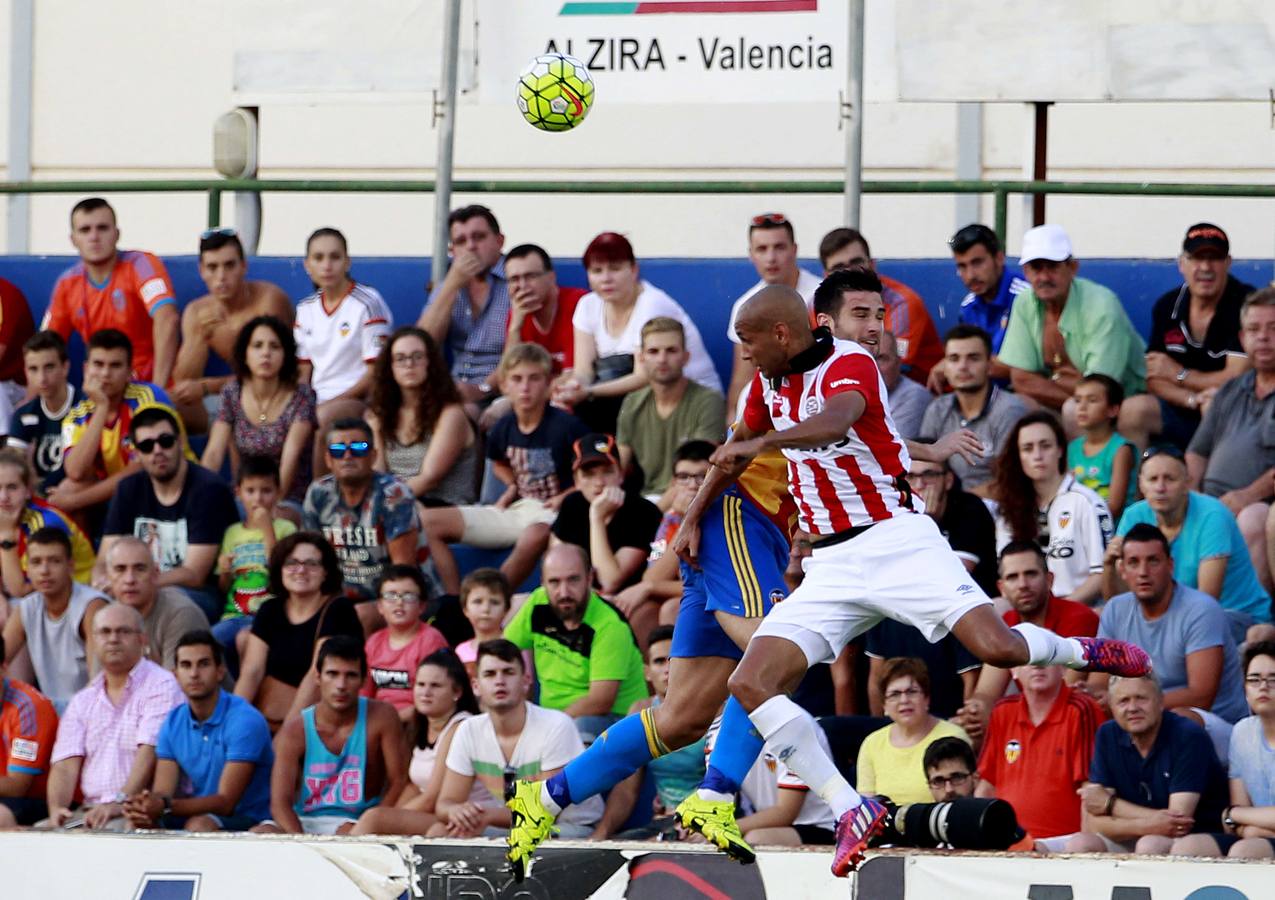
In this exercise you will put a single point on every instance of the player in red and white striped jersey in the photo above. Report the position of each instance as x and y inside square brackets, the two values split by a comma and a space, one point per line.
[822, 403]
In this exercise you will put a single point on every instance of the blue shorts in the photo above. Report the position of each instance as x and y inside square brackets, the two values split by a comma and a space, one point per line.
[742, 557]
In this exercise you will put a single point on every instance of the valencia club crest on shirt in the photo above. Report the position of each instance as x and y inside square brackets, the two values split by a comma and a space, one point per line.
[344, 329]
[1064, 520]
[1013, 750]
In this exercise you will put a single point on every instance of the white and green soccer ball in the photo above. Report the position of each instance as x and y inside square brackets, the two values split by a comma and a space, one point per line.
[555, 92]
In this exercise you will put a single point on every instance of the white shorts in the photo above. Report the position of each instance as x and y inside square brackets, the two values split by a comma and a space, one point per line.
[494, 528]
[323, 824]
[901, 569]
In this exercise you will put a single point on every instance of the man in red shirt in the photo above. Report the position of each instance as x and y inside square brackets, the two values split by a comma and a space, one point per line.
[1037, 751]
[540, 310]
[128, 290]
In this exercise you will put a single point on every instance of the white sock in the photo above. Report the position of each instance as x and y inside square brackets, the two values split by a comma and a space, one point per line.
[791, 734]
[553, 808]
[1045, 648]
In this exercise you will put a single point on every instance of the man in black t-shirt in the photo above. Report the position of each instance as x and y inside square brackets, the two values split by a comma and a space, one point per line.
[1194, 346]
[962, 517]
[614, 526]
[177, 508]
[37, 425]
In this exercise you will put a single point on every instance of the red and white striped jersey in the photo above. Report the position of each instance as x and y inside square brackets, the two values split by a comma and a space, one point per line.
[856, 481]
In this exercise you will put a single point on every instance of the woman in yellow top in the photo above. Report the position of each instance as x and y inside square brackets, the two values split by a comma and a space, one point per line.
[890, 759]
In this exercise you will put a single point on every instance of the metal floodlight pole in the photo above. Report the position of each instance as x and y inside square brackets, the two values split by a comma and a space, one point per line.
[853, 110]
[445, 117]
[21, 50]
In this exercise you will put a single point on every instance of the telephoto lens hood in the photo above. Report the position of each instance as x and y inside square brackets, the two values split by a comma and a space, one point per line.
[970, 823]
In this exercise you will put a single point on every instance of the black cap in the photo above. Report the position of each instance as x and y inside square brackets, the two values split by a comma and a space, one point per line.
[1205, 236]
[594, 448]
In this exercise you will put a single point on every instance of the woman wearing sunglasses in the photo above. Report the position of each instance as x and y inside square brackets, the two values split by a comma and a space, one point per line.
[265, 411]
[306, 607]
[418, 420]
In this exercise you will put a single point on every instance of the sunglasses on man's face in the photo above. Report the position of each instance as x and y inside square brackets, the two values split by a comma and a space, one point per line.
[167, 441]
[357, 449]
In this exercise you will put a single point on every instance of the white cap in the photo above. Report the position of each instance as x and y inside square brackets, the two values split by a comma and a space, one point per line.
[1045, 242]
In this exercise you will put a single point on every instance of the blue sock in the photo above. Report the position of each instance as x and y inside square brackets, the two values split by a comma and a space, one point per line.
[737, 747]
[621, 750]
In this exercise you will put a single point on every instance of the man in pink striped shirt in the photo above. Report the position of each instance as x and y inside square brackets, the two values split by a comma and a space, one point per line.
[107, 736]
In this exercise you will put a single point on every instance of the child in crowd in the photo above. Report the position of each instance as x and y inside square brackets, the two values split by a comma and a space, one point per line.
[485, 598]
[1101, 459]
[393, 652]
[242, 565]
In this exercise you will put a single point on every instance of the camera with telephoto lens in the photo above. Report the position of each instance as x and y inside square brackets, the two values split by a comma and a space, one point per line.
[967, 823]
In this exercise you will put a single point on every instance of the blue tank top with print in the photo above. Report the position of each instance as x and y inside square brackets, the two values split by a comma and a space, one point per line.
[331, 784]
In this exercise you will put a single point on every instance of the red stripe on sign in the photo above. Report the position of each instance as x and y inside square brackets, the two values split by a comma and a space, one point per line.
[873, 504]
[838, 518]
[664, 867]
[727, 6]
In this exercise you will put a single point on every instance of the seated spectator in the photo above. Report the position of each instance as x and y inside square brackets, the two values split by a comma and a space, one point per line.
[586, 658]
[889, 763]
[530, 452]
[974, 403]
[1153, 778]
[243, 571]
[177, 508]
[511, 733]
[28, 725]
[962, 517]
[305, 608]
[906, 317]
[1184, 631]
[1101, 459]
[421, 432]
[953, 670]
[952, 774]
[608, 324]
[772, 249]
[340, 329]
[671, 410]
[264, 411]
[442, 698]
[1208, 549]
[213, 759]
[993, 284]
[469, 308]
[109, 288]
[346, 752]
[167, 614]
[614, 526]
[105, 749]
[215, 321]
[1039, 500]
[1232, 456]
[22, 514]
[1066, 327]
[16, 328]
[540, 310]
[55, 621]
[908, 399]
[36, 426]
[368, 517]
[1195, 343]
[394, 651]
[96, 455]
[674, 775]
[1037, 751]
[485, 600]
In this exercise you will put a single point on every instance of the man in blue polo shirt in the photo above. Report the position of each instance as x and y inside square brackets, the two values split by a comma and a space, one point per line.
[992, 285]
[216, 743]
[1153, 777]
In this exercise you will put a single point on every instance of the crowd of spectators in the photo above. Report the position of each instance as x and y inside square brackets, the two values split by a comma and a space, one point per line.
[279, 634]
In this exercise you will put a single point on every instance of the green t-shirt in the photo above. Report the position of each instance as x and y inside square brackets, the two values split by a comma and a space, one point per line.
[246, 548]
[700, 415]
[601, 649]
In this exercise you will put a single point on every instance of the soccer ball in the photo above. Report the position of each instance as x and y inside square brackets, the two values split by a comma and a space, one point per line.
[555, 92]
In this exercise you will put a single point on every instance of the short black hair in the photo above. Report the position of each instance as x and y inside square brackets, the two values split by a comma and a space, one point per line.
[1256, 649]
[1144, 533]
[946, 748]
[839, 239]
[503, 650]
[333, 579]
[1113, 389]
[152, 415]
[659, 633]
[399, 571]
[472, 211]
[218, 238]
[282, 332]
[832, 290]
[771, 221]
[110, 339]
[965, 332]
[1013, 548]
[348, 423]
[48, 535]
[46, 340]
[342, 646]
[694, 451]
[90, 204]
[201, 638]
[530, 250]
[972, 236]
[257, 467]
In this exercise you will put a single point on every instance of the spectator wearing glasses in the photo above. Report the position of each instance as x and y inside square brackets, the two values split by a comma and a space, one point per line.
[540, 309]
[368, 517]
[180, 510]
[394, 651]
[1195, 345]
[671, 410]
[1207, 547]
[961, 516]
[214, 321]
[772, 249]
[993, 284]
[1248, 824]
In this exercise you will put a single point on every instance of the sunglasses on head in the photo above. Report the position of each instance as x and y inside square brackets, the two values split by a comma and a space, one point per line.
[769, 219]
[356, 449]
[167, 441]
[1164, 450]
[217, 232]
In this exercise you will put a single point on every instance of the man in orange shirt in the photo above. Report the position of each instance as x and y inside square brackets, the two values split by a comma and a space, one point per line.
[28, 725]
[128, 290]
[905, 314]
